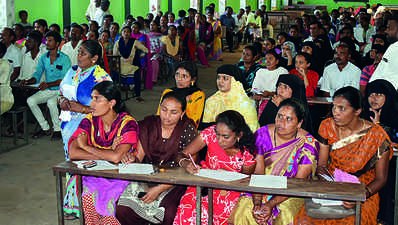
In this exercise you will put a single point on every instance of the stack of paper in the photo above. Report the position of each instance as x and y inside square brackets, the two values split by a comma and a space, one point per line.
[136, 168]
[326, 202]
[101, 165]
[220, 174]
[268, 181]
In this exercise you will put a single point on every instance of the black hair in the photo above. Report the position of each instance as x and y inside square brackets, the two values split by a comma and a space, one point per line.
[85, 26]
[294, 26]
[317, 23]
[181, 29]
[252, 49]
[105, 3]
[170, 26]
[172, 14]
[36, 36]
[182, 13]
[259, 48]
[56, 27]
[284, 34]
[306, 56]
[75, 25]
[115, 24]
[177, 96]
[42, 23]
[68, 26]
[190, 67]
[137, 23]
[352, 95]
[129, 17]
[347, 28]
[109, 16]
[271, 40]
[298, 107]
[57, 37]
[22, 12]
[12, 33]
[236, 122]
[335, 11]
[94, 49]
[3, 49]
[273, 52]
[109, 90]
[147, 21]
[125, 27]
[212, 4]
[96, 34]
[109, 33]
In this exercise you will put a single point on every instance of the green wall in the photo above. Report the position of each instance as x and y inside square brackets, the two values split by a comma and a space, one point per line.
[139, 7]
[51, 10]
[333, 5]
[78, 10]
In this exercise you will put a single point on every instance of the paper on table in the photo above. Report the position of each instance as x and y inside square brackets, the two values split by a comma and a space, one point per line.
[220, 174]
[101, 165]
[268, 181]
[326, 202]
[136, 168]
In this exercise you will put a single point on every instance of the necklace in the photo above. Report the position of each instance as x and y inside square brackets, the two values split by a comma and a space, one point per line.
[275, 145]
[340, 136]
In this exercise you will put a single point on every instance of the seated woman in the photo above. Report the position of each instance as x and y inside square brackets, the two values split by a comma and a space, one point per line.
[312, 49]
[126, 48]
[287, 86]
[355, 146]
[106, 134]
[381, 106]
[201, 36]
[161, 139]
[265, 79]
[230, 96]
[248, 66]
[229, 144]
[172, 48]
[276, 145]
[7, 99]
[288, 55]
[186, 76]
[310, 77]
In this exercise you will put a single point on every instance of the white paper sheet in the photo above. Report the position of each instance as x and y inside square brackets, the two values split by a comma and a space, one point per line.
[101, 165]
[268, 181]
[136, 168]
[221, 175]
[326, 202]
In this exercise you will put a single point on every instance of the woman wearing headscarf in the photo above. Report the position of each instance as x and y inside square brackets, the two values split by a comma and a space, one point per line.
[312, 49]
[380, 107]
[287, 86]
[325, 48]
[288, 55]
[230, 96]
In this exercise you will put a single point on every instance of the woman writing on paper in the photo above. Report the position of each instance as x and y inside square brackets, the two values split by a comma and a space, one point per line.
[106, 134]
[355, 146]
[229, 144]
[161, 139]
[283, 149]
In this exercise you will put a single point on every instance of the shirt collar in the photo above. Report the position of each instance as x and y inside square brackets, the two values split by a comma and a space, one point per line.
[48, 53]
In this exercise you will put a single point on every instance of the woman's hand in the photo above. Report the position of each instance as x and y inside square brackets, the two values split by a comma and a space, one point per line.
[82, 141]
[376, 118]
[349, 205]
[189, 167]
[116, 142]
[128, 158]
[64, 104]
[262, 213]
[152, 194]
[277, 99]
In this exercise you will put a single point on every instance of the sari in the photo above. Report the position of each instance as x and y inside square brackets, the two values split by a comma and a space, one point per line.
[77, 86]
[357, 155]
[282, 160]
[156, 48]
[199, 40]
[217, 47]
[146, 61]
[235, 99]
[158, 151]
[100, 194]
[224, 201]
[195, 102]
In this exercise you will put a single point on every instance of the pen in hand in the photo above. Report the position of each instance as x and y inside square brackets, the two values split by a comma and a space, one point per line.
[196, 166]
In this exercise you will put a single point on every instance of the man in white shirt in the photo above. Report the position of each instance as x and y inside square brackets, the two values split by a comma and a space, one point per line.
[101, 12]
[363, 32]
[92, 9]
[31, 55]
[340, 74]
[72, 47]
[387, 68]
[315, 29]
[13, 54]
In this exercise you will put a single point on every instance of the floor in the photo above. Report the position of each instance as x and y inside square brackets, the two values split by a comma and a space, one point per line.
[27, 189]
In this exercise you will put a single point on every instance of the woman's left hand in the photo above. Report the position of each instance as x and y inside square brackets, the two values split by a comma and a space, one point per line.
[82, 140]
[263, 214]
[151, 194]
[349, 205]
[276, 99]
[376, 118]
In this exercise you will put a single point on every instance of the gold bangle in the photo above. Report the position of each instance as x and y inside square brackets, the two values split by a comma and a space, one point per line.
[179, 162]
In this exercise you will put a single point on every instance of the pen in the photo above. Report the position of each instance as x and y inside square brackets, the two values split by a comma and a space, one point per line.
[190, 156]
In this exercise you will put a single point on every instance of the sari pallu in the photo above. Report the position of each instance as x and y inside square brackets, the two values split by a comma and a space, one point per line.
[282, 160]
[357, 155]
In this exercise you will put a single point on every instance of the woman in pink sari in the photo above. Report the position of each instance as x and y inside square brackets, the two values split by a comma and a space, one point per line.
[146, 61]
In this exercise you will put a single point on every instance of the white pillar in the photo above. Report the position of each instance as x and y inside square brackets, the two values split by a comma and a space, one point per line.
[154, 6]
[260, 3]
[242, 4]
[195, 4]
[7, 13]
[221, 7]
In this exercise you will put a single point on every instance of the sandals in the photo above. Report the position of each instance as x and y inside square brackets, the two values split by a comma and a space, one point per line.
[41, 133]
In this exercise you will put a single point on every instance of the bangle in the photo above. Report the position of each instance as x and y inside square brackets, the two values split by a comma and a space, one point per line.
[179, 162]
[84, 111]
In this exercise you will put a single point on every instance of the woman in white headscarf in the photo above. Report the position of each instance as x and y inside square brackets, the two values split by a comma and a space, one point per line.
[288, 55]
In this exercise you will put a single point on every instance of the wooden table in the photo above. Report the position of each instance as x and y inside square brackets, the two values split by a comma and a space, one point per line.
[320, 100]
[178, 176]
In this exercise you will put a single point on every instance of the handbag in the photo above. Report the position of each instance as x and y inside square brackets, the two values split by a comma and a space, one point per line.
[318, 211]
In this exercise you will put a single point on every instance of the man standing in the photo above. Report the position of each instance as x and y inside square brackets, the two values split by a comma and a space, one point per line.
[315, 29]
[229, 23]
[55, 64]
[72, 47]
[13, 54]
[387, 68]
[340, 74]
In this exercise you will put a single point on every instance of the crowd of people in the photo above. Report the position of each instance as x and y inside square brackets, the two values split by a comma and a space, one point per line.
[258, 122]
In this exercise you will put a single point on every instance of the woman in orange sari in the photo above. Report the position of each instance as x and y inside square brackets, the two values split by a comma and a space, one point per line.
[357, 147]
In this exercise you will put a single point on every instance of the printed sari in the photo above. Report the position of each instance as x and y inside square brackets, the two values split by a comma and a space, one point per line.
[77, 86]
[283, 160]
[357, 155]
[217, 47]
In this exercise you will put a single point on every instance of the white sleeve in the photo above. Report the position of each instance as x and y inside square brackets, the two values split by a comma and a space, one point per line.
[325, 81]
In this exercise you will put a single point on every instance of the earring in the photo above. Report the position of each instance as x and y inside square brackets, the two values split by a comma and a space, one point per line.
[238, 139]
[192, 83]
